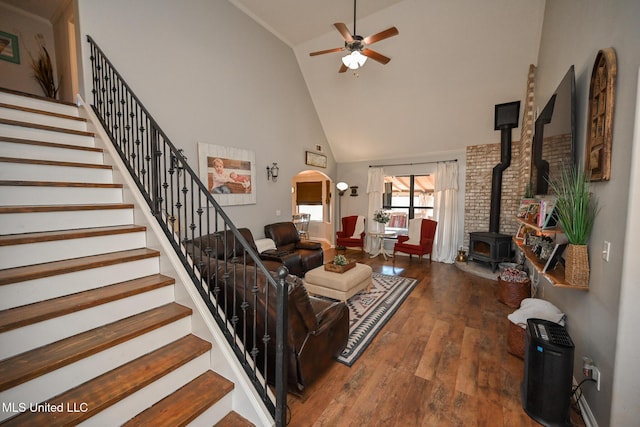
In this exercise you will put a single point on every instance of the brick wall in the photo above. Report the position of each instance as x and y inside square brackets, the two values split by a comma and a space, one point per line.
[481, 159]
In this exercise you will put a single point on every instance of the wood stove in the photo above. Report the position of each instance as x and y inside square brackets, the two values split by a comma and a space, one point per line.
[492, 246]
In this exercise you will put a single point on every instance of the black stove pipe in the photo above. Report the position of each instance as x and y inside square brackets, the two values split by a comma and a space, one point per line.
[506, 118]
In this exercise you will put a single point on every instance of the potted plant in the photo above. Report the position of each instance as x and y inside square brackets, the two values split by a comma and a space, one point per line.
[381, 218]
[576, 208]
[340, 264]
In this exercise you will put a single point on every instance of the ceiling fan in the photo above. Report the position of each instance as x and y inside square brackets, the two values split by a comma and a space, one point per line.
[357, 46]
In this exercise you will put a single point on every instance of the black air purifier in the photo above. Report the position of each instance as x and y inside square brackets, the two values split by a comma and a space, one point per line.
[548, 371]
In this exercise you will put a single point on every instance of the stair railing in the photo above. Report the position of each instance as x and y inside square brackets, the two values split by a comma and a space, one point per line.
[186, 211]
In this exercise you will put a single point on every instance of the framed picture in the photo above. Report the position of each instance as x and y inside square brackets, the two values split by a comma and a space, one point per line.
[524, 207]
[9, 48]
[521, 232]
[229, 173]
[556, 256]
[316, 159]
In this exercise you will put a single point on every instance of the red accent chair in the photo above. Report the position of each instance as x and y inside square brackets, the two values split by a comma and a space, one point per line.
[344, 237]
[427, 234]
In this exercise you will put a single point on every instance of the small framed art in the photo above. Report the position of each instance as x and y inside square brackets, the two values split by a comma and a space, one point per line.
[316, 159]
[9, 48]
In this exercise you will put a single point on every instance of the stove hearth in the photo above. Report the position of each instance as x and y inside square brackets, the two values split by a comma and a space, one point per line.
[490, 247]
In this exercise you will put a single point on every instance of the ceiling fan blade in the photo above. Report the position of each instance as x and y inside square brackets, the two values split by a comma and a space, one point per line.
[375, 56]
[322, 52]
[389, 32]
[344, 31]
[343, 68]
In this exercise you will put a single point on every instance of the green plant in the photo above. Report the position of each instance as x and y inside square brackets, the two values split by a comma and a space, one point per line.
[340, 260]
[576, 205]
[528, 191]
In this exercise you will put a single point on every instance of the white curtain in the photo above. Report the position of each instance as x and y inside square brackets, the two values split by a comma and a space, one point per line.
[375, 189]
[445, 211]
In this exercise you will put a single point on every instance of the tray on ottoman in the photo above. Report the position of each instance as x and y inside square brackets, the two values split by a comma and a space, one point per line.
[338, 286]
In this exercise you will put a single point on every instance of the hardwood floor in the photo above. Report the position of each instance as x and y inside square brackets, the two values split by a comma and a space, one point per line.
[441, 360]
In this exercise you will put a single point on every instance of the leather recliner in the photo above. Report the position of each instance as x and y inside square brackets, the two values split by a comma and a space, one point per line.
[299, 256]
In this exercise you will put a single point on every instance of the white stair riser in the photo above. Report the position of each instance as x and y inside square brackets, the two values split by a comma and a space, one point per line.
[122, 411]
[43, 195]
[67, 377]
[42, 119]
[30, 291]
[41, 252]
[31, 222]
[39, 152]
[22, 101]
[29, 337]
[23, 132]
[215, 413]
[38, 172]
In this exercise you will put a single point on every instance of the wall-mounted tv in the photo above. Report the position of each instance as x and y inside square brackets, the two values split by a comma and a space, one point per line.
[554, 141]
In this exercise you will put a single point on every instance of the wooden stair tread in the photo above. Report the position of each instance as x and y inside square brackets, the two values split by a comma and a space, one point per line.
[185, 404]
[42, 112]
[39, 97]
[46, 128]
[54, 163]
[49, 236]
[34, 363]
[32, 272]
[233, 419]
[49, 144]
[13, 183]
[63, 208]
[18, 317]
[113, 386]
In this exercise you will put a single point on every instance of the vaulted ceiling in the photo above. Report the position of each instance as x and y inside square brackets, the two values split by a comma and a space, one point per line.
[450, 64]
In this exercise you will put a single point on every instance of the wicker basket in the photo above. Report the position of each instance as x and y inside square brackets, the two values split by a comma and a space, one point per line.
[576, 270]
[516, 340]
[512, 293]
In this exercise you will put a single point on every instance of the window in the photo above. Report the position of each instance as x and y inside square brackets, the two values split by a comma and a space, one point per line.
[407, 197]
[309, 199]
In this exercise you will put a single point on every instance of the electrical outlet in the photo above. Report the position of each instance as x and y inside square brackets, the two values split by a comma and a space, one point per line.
[278, 213]
[596, 376]
[606, 248]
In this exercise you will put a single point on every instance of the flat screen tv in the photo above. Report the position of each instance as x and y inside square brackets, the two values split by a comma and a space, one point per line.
[554, 141]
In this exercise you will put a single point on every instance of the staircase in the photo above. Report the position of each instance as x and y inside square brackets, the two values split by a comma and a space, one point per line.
[90, 331]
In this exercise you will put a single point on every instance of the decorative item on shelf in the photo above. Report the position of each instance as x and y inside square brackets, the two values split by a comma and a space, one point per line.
[272, 172]
[380, 219]
[577, 208]
[340, 264]
[462, 255]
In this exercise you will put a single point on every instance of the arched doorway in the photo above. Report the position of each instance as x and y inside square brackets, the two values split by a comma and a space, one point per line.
[312, 193]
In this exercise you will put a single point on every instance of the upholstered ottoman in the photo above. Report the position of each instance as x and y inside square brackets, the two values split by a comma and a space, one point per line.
[340, 286]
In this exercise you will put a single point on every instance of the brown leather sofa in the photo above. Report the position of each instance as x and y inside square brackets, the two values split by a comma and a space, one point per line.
[299, 256]
[317, 329]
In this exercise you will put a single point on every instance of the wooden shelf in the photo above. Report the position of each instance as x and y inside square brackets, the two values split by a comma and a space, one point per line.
[555, 276]
[555, 230]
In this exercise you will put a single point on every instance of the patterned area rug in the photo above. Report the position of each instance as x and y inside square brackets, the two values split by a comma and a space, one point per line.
[369, 311]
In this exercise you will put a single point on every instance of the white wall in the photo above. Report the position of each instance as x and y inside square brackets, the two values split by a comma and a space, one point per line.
[208, 73]
[573, 32]
[26, 26]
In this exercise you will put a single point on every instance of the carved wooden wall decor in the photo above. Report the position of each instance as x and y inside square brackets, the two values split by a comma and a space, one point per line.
[600, 119]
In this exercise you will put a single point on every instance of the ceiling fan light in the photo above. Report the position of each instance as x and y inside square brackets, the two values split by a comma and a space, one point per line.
[354, 60]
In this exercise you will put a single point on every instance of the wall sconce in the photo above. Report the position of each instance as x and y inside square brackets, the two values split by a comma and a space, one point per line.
[176, 163]
[272, 172]
[354, 191]
[342, 187]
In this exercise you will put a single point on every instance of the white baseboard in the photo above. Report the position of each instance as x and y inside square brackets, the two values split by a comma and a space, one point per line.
[585, 410]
